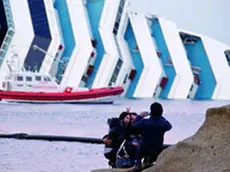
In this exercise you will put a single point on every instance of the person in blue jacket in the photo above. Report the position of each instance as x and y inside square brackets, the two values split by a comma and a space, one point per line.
[152, 132]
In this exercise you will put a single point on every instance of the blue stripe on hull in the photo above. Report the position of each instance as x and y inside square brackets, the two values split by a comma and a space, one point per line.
[39, 18]
[35, 58]
[42, 38]
[165, 57]
[67, 33]
[95, 9]
[130, 38]
[198, 57]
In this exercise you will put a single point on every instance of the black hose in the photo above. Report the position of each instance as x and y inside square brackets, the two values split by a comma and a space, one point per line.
[25, 136]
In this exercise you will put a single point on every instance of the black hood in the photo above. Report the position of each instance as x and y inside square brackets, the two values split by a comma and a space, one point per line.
[113, 122]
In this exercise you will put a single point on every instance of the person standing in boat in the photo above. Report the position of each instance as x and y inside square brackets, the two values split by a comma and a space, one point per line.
[152, 132]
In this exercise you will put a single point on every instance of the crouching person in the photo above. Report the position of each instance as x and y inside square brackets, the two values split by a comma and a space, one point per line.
[116, 135]
[112, 140]
[152, 132]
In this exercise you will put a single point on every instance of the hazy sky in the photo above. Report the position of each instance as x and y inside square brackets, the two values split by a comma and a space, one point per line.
[208, 17]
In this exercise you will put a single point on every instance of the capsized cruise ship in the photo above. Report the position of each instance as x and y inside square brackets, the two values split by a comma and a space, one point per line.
[100, 43]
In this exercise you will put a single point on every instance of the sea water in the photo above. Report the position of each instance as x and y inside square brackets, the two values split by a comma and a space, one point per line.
[81, 120]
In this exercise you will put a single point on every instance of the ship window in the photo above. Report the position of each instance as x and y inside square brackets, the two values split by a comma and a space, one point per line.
[5, 46]
[2, 53]
[120, 9]
[11, 33]
[122, 3]
[125, 79]
[119, 63]
[38, 78]
[19, 78]
[118, 19]
[116, 25]
[227, 54]
[28, 78]
[46, 78]
[115, 31]
[7, 39]
[188, 39]
[84, 78]
[116, 72]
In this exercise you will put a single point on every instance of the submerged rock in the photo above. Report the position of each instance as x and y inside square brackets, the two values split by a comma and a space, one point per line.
[207, 150]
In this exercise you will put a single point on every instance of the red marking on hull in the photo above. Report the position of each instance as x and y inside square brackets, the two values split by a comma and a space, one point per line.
[62, 96]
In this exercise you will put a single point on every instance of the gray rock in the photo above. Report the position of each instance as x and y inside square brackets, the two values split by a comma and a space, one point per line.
[207, 150]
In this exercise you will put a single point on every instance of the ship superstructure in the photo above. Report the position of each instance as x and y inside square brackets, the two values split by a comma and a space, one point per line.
[100, 43]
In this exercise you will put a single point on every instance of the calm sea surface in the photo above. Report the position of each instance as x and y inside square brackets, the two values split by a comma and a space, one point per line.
[80, 120]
